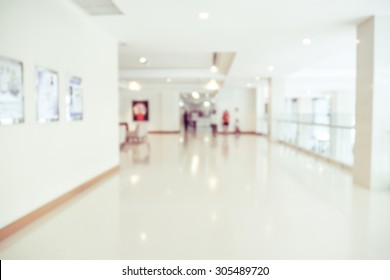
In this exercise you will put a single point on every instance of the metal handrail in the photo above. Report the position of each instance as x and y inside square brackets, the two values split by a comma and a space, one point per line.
[318, 124]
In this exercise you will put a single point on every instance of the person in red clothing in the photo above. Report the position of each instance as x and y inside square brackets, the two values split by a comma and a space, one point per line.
[225, 121]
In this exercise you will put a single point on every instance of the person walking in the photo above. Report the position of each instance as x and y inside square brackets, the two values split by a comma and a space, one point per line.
[237, 122]
[186, 120]
[225, 121]
[214, 125]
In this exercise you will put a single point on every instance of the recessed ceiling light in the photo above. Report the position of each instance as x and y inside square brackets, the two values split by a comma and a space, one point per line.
[271, 68]
[203, 15]
[212, 85]
[306, 41]
[206, 103]
[257, 78]
[169, 80]
[135, 86]
[195, 94]
[357, 41]
[143, 60]
[248, 85]
[134, 179]
[143, 237]
[214, 69]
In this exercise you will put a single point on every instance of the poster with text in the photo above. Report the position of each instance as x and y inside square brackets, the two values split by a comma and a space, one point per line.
[140, 111]
[47, 91]
[11, 91]
[74, 99]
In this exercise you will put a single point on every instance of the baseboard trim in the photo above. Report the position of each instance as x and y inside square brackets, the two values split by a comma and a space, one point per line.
[12, 228]
[240, 133]
[220, 132]
[164, 132]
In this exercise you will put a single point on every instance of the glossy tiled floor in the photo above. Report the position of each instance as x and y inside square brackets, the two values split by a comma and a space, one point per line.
[199, 197]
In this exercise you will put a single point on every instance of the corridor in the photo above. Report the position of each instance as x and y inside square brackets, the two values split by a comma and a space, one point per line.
[198, 197]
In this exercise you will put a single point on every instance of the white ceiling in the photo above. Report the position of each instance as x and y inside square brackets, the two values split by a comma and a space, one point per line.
[98, 7]
[261, 33]
[129, 59]
[333, 73]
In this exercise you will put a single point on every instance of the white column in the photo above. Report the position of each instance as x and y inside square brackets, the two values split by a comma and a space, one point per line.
[372, 147]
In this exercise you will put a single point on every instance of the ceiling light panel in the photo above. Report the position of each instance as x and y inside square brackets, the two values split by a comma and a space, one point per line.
[212, 85]
[214, 69]
[99, 7]
[195, 95]
[203, 15]
[143, 60]
[134, 86]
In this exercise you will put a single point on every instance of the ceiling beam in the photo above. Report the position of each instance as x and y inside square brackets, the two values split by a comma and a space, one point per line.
[169, 73]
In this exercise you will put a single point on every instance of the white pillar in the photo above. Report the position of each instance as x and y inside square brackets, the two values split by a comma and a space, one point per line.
[372, 147]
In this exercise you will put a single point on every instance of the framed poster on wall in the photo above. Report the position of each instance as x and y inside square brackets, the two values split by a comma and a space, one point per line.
[140, 111]
[11, 91]
[74, 99]
[47, 95]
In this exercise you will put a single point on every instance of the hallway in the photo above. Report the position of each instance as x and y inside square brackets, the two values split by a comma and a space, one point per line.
[198, 197]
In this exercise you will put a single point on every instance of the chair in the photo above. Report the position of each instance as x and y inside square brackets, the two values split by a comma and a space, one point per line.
[124, 128]
[138, 135]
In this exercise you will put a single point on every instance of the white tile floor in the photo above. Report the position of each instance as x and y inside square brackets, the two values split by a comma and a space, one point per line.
[197, 197]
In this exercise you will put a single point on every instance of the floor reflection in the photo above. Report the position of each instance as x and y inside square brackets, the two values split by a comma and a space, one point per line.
[195, 196]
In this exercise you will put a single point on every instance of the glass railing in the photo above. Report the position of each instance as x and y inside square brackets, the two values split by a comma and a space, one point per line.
[331, 136]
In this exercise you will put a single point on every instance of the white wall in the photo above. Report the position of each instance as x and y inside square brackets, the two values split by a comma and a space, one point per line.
[163, 108]
[170, 111]
[125, 104]
[245, 101]
[40, 162]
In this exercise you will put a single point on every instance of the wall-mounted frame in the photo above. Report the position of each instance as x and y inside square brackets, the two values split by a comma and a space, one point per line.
[47, 95]
[74, 99]
[140, 111]
[11, 91]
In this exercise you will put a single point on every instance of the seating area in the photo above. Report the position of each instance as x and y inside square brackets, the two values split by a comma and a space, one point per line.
[134, 136]
[138, 135]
